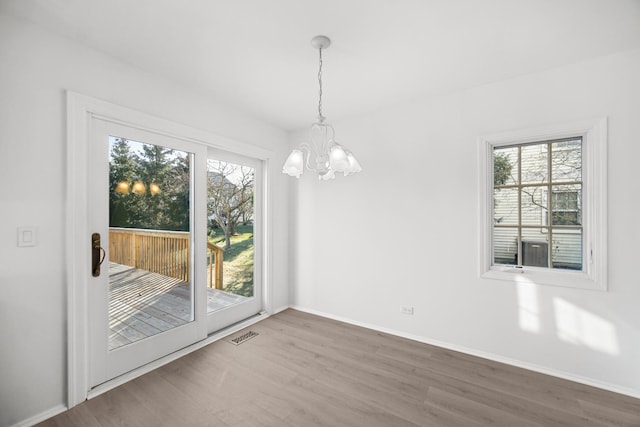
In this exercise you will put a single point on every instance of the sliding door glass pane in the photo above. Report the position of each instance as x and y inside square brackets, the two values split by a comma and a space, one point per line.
[150, 277]
[231, 214]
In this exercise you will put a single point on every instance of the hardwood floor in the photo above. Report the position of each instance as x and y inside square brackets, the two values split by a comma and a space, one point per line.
[305, 370]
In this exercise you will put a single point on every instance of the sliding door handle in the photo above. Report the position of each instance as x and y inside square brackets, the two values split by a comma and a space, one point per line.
[97, 254]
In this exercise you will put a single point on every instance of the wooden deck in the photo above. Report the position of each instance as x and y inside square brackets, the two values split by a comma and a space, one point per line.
[143, 303]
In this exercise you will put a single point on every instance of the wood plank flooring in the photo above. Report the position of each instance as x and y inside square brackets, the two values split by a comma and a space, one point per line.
[305, 370]
[143, 304]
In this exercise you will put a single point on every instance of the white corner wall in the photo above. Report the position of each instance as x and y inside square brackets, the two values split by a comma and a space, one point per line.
[36, 68]
[405, 231]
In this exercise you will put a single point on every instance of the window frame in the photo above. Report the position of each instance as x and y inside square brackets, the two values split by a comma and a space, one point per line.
[594, 205]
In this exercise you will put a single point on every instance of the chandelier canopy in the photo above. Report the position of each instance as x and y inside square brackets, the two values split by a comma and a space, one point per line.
[321, 154]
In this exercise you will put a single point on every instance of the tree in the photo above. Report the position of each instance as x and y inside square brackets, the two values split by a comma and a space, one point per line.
[165, 172]
[566, 166]
[149, 186]
[247, 211]
[230, 196]
[178, 203]
[502, 168]
[122, 171]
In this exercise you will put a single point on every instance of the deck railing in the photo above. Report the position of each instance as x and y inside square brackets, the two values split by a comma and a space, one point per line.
[216, 257]
[162, 252]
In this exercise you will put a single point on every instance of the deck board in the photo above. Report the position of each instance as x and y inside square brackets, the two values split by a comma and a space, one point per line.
[143, 304]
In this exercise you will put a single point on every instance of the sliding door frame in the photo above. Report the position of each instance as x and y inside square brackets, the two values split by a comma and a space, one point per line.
[80, 110]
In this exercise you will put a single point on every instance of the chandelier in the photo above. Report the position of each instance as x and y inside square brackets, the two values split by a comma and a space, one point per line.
[322, 154]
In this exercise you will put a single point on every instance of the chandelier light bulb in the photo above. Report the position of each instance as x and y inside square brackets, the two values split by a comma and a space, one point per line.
[139, 187]
[122, 187]
[154, 188]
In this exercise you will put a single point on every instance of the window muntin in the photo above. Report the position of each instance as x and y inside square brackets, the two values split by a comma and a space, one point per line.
[529, 227]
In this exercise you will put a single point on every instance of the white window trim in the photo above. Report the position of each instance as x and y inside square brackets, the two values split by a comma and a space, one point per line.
[594, 274]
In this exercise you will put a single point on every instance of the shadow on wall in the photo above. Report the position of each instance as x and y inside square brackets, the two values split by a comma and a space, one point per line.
[573, 325]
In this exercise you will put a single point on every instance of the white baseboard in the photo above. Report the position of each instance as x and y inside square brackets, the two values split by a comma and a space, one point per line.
[490, 356]
[278, 310]
[58, 409]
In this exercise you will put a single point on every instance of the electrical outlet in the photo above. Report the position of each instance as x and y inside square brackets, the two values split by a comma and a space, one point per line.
[27, 236]
[406, 310]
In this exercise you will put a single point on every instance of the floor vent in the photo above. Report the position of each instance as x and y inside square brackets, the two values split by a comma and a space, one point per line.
[242, 338]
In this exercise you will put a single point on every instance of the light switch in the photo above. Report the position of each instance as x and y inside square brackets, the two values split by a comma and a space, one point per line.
[27, 236]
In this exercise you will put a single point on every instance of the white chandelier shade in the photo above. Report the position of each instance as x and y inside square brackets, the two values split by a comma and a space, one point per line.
[322, 154]
[294, 166]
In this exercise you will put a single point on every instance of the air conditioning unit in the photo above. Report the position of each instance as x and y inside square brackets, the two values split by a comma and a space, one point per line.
[535, 253]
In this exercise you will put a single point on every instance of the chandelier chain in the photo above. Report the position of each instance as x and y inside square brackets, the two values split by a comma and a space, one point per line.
[320, 116]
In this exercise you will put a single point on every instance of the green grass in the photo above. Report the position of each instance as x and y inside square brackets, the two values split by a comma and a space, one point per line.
[238, 260]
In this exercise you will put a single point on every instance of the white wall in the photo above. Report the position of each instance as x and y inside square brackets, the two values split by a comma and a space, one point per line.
[35, 70]
[405, 231]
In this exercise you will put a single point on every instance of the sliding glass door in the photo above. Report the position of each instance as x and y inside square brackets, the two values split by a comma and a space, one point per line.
[147, 215]
[234, 238]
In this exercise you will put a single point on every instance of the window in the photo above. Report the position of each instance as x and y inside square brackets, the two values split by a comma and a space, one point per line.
[543, 205]
[530, 227]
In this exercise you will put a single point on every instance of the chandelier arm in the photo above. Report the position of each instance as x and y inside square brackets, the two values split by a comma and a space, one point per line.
[305, 147]
[311, 168]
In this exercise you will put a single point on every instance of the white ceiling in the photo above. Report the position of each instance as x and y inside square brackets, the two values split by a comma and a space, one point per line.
[255, 55]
